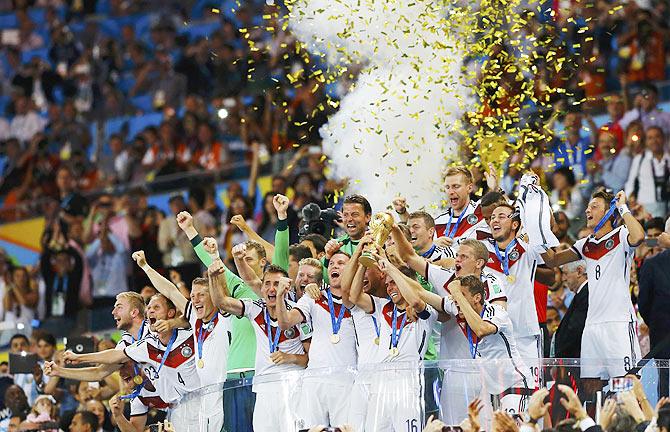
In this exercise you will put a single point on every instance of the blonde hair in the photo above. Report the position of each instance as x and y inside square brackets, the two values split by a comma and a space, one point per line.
[456, 170]
[479, 248]
[134, 299]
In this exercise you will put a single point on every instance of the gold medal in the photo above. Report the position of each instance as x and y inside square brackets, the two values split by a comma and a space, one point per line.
[137, 379]
[376, 341]
[334, 338]
[201, 364]
[511, 278]
[394, 352]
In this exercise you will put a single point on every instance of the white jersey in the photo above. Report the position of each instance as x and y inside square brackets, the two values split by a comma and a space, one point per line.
[365, 332]
[129, 339]
[178, 375]
[438, 253]
[322, 352]
[290, 340]
[608, 262]
[520, 287]
[215, 336]
[146, 400]
[447, 223]
[453, 343]
[508, 369]
[413, 339]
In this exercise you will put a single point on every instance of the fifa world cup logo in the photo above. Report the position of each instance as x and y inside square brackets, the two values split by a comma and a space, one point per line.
[380, 227]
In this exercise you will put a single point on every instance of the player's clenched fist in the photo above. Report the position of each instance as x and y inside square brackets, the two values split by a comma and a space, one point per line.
[210, 246]
[331, 247]
[239, 251]
[280, 202]
[238, 221]
[184, 220]
[313, 291]
[139, 258]
[216, 268]
[283, 286]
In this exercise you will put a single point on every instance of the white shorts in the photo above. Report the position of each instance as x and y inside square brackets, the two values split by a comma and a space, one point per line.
[459, 387]
[609, 350]
[530, 351]
[324, 403]
[202, 413]
[358, 409]
[274, 410]
[395, 403]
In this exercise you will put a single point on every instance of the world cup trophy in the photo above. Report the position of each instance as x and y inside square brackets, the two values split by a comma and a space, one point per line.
[380, 227]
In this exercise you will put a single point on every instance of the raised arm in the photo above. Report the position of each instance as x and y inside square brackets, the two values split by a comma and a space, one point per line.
[135, 424]
[90, 374]
[356, 294]
[247, 274]
[400, 207]
[286, 318]
[480, 327]
[280, 255]
[406, 251]
[107, 357]
[635, 230]
[351, 269]
[242, 225]
[162, 284]
[218, 287]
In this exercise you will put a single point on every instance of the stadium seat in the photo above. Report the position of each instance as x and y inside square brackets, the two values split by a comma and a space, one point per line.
[8, 21]
[37, 15]
[195, 31]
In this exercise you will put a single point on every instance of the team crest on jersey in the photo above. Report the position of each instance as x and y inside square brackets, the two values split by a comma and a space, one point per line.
[609, 244]
[514, 255]
[289, 333]
[186, 351]
[472, 219]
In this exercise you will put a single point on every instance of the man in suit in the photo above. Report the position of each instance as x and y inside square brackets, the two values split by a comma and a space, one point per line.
[568, 336]
[654, 306]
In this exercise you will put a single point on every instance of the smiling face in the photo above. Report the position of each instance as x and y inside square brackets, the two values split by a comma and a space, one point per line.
[393, 291]
[502, 225]
[201, 300]
[157, 309]
[595, 211]
[458, 190]
[355, 220]
[335, 268]
[422, 236]
[123, 314]
[467, 263]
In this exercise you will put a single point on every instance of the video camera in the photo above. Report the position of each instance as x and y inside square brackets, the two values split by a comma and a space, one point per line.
[318, 221]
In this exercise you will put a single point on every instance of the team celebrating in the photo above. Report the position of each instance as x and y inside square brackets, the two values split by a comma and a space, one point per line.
[340, 335]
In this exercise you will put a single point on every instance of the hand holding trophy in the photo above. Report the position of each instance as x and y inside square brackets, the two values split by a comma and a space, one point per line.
[380, 228]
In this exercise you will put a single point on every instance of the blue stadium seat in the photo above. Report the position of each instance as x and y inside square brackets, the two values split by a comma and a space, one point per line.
[37, 15]
[42, 53]
[139, 123]
[200, 30]
[8, 21]
[143, 102]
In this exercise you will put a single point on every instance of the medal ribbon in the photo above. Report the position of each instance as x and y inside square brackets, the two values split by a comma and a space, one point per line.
[374, 321]
[135, 339]
[505, 261]
[473, 346]
[205, 327]
[608, 215]
[336, 323]
[451, 233]
[395, 339]
[429, 252]
[273, 341]
[139, 388]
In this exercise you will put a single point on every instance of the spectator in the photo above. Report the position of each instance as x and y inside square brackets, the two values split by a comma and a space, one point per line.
[174, 244]
[649, 175]
[568, 336]
[646, 110]
[654, 307]
[15, 399]
[21, 297]
[561, 227]
[566, 195]
[575, 147]
[84, 421]
[26, 122]
[611, 169]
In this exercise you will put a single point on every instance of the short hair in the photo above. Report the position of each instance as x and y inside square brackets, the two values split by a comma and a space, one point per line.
[260, 250]
[313, 262]
[89, 418]
[19, 336]
[47, 337]
[456, 170]
[474, 285]
[658, 128]
[492, 197]
[198, 195]
[299, 252]
[427, 218]
[134, 299]
[607, 197]
[568, 174]
[274, 269]
[168, 302]
[317, 240]
[657, 223]
[479, 248]
[405, 231]
[359, 199]
[200, 281]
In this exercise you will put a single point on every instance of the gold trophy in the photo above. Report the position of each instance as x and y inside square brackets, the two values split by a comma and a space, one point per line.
[380, 227]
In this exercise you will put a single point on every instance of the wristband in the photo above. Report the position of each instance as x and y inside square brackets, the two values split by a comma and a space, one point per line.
[195, 241]
[282, 224]
[623, 210]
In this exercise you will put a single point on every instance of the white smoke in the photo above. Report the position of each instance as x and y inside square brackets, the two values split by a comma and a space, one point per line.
[391, 135]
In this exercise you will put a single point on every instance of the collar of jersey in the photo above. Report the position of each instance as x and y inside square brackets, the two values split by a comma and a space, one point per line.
[605, 237]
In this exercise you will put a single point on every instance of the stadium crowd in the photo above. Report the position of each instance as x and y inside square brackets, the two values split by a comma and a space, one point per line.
[227, 93]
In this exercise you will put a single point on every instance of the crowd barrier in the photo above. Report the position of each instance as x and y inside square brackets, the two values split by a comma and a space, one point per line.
[396, 396]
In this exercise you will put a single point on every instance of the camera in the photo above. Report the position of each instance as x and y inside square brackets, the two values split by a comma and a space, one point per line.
[318, 221]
